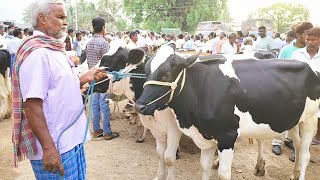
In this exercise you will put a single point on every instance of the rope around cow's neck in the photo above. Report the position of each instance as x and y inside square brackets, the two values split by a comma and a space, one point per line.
[173, 86]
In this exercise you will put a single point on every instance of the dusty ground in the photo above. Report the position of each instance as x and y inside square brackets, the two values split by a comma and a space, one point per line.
[124, 159]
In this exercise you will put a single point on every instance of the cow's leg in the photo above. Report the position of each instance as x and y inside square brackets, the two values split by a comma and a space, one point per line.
[226, 143]
[206, 161]
[143, 135]
[295, 136]
[225, 163]
[161, 148]
[259, 169]
[8, 87]
[173, 138]
[308, 129]
[3, 98]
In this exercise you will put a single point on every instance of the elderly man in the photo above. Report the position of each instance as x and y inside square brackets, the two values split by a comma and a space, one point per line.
[47, 98]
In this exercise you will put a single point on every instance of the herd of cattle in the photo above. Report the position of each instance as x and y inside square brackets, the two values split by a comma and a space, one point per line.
[215, 100]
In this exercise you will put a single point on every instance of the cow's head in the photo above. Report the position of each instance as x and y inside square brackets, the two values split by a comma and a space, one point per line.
[116, 62]
[162, 71]
[113, 62]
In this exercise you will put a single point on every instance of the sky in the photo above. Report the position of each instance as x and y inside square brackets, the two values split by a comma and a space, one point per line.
[239, 9]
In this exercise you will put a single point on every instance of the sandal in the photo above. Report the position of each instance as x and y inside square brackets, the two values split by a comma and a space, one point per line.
[111, 136]
[98, 133]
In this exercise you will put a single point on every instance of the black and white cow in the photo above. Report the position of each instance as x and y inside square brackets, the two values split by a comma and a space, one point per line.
[216, 102]
[162, 124]
[5, 85]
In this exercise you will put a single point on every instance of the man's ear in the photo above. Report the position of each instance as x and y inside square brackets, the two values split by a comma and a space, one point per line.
[135, 56]
[191, 59]
[41, 18]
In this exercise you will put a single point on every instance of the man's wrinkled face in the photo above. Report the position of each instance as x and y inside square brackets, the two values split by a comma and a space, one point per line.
[312, 42]
[55, 22]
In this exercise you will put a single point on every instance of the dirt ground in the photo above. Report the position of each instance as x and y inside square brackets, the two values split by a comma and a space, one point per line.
[124, 159]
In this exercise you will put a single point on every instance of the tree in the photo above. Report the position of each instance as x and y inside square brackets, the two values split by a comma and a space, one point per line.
[284, 15]
[184, 14]
[112, 11]
[86, 12]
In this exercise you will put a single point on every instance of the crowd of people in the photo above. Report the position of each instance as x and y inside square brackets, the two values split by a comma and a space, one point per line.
[42, 70]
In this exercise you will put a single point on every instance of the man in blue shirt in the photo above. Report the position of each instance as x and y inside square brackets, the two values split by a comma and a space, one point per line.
[76, 44]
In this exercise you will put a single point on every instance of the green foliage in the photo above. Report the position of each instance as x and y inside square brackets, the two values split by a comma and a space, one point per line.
[184, 14]
[284, 15]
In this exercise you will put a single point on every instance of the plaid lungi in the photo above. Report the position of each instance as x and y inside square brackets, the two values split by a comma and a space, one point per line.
[75, 168]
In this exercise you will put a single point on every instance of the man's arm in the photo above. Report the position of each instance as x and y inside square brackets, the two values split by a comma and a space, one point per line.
[51, 158]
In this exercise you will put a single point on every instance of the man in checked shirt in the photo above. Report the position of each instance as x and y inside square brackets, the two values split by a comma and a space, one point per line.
[95, 49]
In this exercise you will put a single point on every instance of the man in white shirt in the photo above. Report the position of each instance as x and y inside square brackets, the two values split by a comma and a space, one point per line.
[133, 40]
[14, 43]
[3, 44]
[311, 55]
[278, 43]
[142, 42]
[264, 41]
[230, 46]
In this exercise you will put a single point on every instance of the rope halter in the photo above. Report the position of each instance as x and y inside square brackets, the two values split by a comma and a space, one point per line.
[173, 86]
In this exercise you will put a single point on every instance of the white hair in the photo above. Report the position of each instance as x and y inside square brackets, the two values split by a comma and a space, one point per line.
[41, 6]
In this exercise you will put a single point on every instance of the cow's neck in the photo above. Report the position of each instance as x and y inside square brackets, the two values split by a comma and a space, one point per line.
[194, 84]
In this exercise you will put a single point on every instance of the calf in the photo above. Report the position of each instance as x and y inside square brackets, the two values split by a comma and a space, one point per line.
[5, 85]
[216, 102]
[162, 124]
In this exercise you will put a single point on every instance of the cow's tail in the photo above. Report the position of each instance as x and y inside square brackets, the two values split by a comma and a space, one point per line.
[313, 84]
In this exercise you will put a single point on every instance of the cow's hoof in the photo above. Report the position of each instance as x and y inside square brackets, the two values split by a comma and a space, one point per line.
[7, 116]
[295, 176]
[258, 172]
[159, 178]
[139, 140]
[259, 169]
[132, 122]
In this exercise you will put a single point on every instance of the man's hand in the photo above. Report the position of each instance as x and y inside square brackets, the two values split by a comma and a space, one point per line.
[51, 161]
[34, 112]
[95, 73]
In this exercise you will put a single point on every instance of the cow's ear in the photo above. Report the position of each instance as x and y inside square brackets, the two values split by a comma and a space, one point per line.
[191, 59]
[135, 56]
[173, 46]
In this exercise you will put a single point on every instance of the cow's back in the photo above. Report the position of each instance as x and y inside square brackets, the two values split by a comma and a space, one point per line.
[275, 92]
